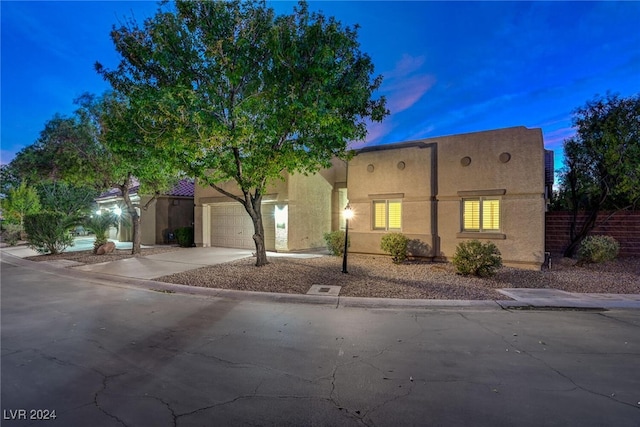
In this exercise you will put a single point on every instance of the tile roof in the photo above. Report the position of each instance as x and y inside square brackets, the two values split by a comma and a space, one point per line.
[184, 188]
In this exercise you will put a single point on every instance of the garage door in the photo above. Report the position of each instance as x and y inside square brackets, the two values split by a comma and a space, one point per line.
[231, 227]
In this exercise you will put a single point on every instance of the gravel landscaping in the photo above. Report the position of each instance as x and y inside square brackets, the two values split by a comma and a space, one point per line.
[377, 276]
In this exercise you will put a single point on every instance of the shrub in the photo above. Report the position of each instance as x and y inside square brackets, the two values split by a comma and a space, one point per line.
[335, 242]
[477, 259]
[11, 233]
[48, 232]
[597, 249]
[184, 236]
[395, 244]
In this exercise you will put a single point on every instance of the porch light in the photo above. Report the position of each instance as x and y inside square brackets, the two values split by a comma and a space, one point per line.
[117, 211]
[348, 214]
[98, 212]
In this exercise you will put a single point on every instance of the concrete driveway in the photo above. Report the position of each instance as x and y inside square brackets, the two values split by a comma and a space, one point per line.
[152, 266]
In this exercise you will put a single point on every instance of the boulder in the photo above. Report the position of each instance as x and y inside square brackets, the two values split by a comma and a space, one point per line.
[107, 248]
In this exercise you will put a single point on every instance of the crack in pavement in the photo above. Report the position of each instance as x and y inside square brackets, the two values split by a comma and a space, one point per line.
[551, 368]
[105, 379]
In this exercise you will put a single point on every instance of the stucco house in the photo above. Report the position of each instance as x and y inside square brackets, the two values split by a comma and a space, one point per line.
[158, 217]
[489, 185]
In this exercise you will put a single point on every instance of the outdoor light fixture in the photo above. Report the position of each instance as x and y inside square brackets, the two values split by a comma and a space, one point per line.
[348, 214]
[117, 211]
[98, 212]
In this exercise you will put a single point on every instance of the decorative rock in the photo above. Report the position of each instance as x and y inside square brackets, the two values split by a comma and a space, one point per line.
[107, 248]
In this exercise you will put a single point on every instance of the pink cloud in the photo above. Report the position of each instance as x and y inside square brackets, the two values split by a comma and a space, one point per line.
[404, 93]
[405, 66]
[555, 139]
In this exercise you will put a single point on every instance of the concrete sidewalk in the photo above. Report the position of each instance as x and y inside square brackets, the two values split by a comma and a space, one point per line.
[141, 270]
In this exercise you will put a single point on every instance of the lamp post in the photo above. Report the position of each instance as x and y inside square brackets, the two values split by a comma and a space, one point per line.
[348, 214]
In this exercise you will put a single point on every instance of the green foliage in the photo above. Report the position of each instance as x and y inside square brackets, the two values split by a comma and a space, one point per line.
[11, 233]
[335, 242]
[20, 202]
[395, 244]
[602, 161]
[49, 232]
[69, 199]
[228, 91]
[597, 249]
[100, 225]
[477, 259]
[184, 236]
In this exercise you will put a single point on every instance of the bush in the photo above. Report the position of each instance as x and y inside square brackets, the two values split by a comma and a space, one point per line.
[477, 259]
[11, 233]
[395, 244]
[597, 249]
[335, 242]
[184, 236]
[49, 232]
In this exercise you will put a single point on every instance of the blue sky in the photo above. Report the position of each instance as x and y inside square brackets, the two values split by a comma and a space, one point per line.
[448, 67]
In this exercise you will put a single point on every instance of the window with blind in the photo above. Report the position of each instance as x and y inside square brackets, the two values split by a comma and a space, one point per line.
[387, 215]
[481, 214]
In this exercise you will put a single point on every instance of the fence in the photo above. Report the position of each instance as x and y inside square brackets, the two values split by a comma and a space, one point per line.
[623, 226]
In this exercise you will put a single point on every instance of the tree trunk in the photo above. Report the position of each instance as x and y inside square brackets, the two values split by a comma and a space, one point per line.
[577, 238]
[254, 208]
[135, 220]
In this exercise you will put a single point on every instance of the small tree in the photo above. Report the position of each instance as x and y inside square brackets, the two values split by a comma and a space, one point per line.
[20, 202]
[602, 162]
[397, 245]
[100, 225]
[49, 232]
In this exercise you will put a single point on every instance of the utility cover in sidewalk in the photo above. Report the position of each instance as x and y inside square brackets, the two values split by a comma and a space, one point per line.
[324, 290]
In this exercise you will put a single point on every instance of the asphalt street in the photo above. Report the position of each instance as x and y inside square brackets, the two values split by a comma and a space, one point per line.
[92, 353]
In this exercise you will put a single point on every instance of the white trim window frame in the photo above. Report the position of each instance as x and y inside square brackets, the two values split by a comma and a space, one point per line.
[481, 214]
[386, 214]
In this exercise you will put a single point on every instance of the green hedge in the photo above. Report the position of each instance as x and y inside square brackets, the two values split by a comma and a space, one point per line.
[184, 236]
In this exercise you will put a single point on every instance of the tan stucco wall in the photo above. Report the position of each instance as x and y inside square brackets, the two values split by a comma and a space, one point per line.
[521, 238]
[309, 211]
[522, 178]
[376, 176]
[148, 221]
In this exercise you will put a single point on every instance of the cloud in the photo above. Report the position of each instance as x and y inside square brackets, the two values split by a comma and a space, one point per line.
[406, 92]
[554, 139]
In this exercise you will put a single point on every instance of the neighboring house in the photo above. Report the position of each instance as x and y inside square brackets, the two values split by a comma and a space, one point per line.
[490, 186]
[158, 218]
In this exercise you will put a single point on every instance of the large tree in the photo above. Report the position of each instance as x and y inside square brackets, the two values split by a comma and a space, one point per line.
[602, 162]
[231, 92]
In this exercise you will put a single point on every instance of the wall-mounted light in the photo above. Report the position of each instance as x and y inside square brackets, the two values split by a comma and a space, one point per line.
[281, 215]
[117, 211]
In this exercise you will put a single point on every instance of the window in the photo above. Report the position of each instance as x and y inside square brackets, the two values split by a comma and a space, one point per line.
[387, 214]
[481, 214]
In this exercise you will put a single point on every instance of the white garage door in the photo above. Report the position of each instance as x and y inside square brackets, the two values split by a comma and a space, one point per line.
[231, 227]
